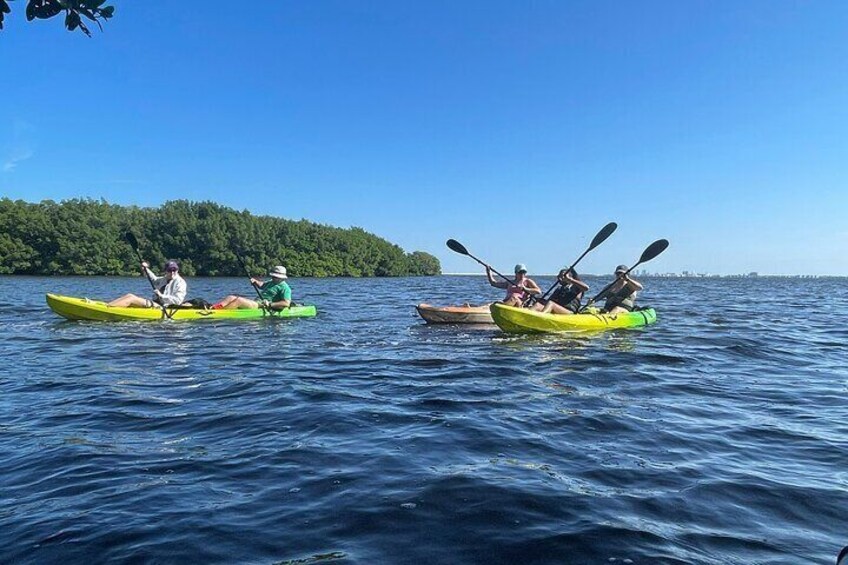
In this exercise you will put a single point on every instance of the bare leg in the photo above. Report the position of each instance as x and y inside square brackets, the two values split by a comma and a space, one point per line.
[129, 301]
[618, 310]
[240, 303]
[554, 308]
[226, 301]
[512, 301]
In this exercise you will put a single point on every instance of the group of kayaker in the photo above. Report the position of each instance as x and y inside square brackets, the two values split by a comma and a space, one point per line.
[170, 290]
[567, 298]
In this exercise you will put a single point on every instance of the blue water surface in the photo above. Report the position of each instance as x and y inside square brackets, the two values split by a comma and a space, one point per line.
[719, 435]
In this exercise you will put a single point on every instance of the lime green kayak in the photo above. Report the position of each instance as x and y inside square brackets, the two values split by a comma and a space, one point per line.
[85, 309]
[524, 320]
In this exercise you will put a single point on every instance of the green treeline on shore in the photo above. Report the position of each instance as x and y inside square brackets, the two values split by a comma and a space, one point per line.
[86, 237]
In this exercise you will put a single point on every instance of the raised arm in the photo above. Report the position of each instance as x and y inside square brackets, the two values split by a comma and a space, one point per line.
[492, 281]
[634, 285]
[145, 270]
[531, 286]
[583, 287]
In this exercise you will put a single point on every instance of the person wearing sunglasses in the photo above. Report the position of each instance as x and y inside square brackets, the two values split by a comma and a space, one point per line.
[168, 290]
[621, 296]
[517, 291]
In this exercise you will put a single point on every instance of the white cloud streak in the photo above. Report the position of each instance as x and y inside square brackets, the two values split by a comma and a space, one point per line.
[16, 156]
[20, 148]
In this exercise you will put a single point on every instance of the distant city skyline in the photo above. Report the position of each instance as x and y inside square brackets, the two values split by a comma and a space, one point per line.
[518, 129]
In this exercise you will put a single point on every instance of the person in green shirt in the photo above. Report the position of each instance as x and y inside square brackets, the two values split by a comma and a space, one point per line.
[276, 293]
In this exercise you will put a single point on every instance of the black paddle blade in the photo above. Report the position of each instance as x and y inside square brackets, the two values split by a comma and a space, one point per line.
[602, 236]
[457, 246]
[653, 250]
[131, 239]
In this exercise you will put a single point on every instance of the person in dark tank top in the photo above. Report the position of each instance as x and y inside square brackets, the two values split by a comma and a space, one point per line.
[621, 296]
[565, 299]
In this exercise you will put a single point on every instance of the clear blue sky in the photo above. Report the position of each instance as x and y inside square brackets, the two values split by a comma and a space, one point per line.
[518, 128]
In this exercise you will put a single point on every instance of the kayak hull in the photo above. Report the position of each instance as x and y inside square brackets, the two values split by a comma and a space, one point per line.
[84, 309]
[455, 314]
[524, 320]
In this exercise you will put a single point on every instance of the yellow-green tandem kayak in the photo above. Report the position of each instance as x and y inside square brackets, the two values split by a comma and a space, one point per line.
[524, 320]
[85, 309]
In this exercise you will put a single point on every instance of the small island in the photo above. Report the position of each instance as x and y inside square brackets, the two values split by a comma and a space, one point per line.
[86, 237]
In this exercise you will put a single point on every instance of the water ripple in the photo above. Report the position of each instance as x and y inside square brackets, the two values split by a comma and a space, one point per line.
[717, 436]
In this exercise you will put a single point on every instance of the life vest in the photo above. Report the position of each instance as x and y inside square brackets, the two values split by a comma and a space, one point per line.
[622, 298]
[568, 297]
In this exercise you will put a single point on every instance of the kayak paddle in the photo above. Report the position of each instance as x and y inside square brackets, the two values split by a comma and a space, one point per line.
[601, 237]
[459, 248]
[650, 252]
[131, 239]
[246, 272]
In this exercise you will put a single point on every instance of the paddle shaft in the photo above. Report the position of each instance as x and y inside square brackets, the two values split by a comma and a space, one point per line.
[610, 285]
[556, 283]
[457, 247]
[246, 272]
[599, 238]
[140, 260]
[510, 281]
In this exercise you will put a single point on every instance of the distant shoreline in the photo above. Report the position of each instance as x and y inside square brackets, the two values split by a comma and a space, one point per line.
[674, 276]
[390, 277]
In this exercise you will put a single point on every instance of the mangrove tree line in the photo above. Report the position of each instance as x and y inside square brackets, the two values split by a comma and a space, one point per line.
[86, 237]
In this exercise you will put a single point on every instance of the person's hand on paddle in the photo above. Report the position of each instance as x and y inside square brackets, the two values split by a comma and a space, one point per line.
[564, 278]
[145, 265]
[255, 282]
[266, 304]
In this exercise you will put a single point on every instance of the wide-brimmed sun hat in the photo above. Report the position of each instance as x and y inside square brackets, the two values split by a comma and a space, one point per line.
[278, 272]
[520, 268]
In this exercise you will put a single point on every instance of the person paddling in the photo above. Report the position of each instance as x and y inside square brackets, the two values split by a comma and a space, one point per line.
[168, 290]
[621, 296]
[275, 294]
[566, 298]
[518, 290]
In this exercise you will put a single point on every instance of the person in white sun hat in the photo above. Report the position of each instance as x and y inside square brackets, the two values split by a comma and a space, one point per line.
[276, 293]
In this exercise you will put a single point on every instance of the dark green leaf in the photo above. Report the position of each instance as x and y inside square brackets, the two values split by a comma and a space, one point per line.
[43, 9]
[84, 28]
[72, 21]
[4, 9]
[107, 12]
[88, 14]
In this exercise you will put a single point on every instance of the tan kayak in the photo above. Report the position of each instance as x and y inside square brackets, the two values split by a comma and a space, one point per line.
[455, 314]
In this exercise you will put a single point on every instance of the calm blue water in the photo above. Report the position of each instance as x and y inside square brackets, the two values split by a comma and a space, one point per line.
[719, 435]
